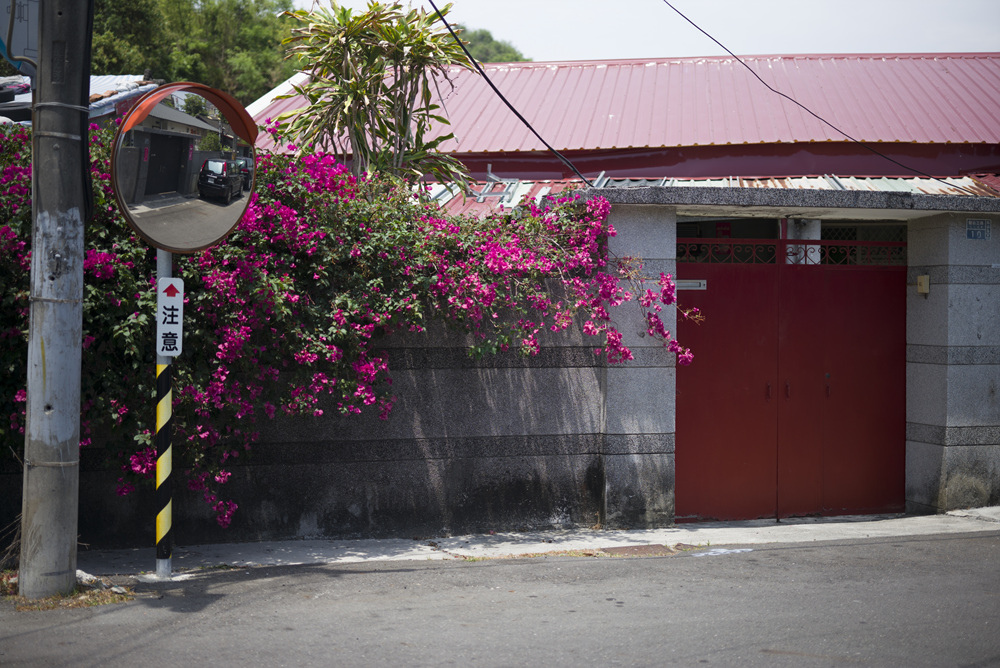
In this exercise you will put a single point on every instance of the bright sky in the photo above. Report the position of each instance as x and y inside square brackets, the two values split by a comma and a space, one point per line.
[607, 29]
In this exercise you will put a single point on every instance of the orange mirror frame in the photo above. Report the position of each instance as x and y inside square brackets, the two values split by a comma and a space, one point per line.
[174, 221]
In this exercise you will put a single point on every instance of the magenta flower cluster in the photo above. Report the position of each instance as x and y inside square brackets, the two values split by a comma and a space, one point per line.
[287, 315]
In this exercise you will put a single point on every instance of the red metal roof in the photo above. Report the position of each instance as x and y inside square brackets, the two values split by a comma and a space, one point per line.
[675, 102]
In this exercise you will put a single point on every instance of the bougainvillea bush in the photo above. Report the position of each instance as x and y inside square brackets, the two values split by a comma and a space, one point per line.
[290, 309]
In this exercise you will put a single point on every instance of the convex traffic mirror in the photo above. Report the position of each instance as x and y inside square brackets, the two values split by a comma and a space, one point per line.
[183, 172]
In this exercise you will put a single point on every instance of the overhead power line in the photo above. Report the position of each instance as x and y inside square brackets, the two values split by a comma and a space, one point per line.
[810, 111]
[510, 106]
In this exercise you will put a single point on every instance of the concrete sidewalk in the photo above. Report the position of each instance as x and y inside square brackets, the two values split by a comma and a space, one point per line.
[703, 535]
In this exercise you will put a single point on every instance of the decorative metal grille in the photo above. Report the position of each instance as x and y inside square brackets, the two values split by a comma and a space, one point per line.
[863, 232]
[841, 233]
[727, 251]
[792, 252]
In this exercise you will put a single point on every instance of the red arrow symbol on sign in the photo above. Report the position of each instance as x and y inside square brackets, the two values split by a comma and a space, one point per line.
[171, 290]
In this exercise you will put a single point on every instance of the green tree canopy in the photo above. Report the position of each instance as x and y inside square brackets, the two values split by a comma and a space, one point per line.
[129, 38]
[195, 105]
[486, 49]
[210, 142]
[232, 45]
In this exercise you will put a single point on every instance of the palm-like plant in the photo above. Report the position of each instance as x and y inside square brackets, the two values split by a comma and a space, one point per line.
[373, 78]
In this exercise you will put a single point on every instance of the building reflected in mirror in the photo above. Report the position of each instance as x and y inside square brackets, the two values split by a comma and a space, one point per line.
[181, 174]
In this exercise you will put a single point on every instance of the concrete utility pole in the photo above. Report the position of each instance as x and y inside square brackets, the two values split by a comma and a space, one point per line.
[60, 164]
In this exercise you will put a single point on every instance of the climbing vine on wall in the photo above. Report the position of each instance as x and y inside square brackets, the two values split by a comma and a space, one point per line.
[286, 315]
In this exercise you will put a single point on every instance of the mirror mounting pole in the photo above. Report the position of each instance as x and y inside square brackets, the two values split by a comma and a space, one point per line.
[164, 212]
[164, 455]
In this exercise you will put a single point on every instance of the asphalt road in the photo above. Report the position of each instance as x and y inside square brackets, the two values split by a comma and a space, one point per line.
[914, 601]
[189, 222]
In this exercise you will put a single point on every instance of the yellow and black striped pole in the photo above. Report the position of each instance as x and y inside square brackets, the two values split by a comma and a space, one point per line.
[164, 467]
[169, 319]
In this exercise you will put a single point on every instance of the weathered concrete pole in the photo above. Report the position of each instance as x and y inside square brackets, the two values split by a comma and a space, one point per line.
[52, 432]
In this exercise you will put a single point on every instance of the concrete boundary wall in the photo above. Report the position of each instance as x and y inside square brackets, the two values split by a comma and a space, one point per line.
[561, 439]
[499, 444]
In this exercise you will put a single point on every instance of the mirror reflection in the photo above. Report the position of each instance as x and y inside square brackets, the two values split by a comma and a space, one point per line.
[181, 174]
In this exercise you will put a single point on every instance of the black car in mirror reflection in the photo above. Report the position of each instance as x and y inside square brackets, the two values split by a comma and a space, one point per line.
[246, 167]
[220, 178]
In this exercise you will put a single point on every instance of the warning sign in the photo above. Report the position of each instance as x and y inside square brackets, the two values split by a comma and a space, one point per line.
[169, 316]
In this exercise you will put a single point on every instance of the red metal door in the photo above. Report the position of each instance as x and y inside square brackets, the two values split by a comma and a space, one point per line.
[801, 339]
[726, 401]
[864, 406]
[796, 402]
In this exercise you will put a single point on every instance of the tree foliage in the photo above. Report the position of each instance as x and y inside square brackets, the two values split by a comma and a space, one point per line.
[487, 49]
[210, 142]
[129, 37]
[195, 105]
[232, 45]
[374, 79]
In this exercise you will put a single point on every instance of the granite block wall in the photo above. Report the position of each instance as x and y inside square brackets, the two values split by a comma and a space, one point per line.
[953, 366]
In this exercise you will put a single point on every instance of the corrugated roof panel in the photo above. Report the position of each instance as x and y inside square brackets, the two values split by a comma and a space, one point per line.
[638, 129]
[990, 180]
[543, 87]
[654, 119]
[885, 86]
[914, 98]
[773, 122]
[733, 115]
[803, 126]
[525, 192]
[839, 111]
[682, 128]
[961, 186]
[585, 88]
[609, 130]
[932, 117]
[971, 85]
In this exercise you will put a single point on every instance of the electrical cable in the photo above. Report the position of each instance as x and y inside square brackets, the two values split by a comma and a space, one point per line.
[810, 111]
[479, 69]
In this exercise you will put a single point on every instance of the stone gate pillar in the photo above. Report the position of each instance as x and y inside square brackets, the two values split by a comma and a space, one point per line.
[953, 363]
[639, 395]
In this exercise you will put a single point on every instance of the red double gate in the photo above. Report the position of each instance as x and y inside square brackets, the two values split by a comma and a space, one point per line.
[795, 404]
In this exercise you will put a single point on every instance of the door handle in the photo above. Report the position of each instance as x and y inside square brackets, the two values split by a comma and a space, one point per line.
[767, 393]
[788, 390]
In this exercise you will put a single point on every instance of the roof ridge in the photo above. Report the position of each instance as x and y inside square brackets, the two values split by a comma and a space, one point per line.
[930, 55]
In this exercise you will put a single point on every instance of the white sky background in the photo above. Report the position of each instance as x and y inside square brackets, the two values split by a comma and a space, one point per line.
[546, 30]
